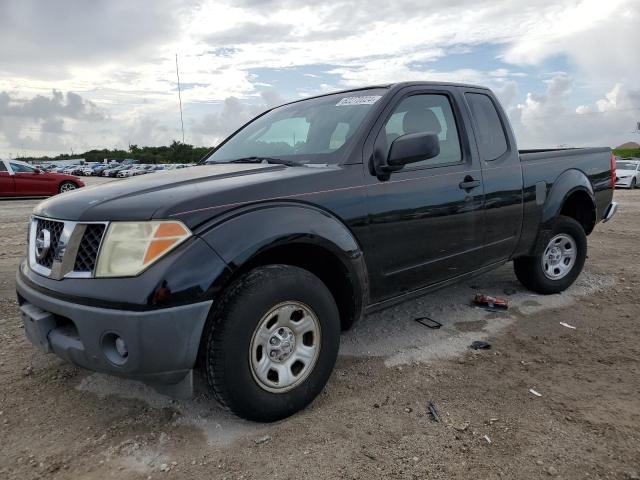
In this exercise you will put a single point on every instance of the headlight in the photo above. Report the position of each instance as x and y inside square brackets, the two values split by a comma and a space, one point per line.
[130, 247]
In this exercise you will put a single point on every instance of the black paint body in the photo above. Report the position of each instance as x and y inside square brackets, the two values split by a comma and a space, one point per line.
[394, 237]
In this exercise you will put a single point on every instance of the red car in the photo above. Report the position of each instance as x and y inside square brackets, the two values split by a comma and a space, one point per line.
[19, 179]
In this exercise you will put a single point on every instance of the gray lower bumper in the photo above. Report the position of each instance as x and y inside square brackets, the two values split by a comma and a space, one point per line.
[162, 345]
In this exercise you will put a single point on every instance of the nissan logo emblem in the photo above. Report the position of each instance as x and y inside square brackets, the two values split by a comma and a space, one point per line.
[43, 243]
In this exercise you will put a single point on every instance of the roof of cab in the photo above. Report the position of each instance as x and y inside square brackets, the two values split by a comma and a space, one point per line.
[394, 86]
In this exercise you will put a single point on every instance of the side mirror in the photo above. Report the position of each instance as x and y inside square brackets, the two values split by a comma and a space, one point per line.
[37, 170]
[413, 147]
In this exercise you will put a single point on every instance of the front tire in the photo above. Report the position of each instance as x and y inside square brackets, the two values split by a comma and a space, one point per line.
[632, 186]
[272, 342]
[67, 186]
[557, 266]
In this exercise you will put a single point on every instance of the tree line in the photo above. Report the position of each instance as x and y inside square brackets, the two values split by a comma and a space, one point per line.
[177, 152]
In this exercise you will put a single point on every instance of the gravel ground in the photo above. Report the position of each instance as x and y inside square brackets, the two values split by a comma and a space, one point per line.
[57, 421]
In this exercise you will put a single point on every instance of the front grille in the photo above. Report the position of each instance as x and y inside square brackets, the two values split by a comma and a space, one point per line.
[89, 246]
[55, 230]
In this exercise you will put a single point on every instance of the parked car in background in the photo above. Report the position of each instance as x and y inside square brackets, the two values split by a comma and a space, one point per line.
[96, 169]
[73, 170]
[128, 172]
[18, 179]
[627, 173]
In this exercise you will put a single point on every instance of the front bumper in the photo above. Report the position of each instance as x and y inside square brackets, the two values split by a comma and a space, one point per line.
[623, 182]
[162, 344]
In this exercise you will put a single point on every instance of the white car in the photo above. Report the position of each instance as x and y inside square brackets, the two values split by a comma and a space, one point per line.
[627, 173]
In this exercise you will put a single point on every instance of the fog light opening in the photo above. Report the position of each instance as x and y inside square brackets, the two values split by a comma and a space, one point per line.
[115, 348]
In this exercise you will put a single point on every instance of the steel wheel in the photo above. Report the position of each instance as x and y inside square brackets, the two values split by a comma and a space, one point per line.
[285, 346]
[559, 257]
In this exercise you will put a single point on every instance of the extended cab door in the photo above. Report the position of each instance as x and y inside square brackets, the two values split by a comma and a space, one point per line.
[425, 221]
[7, 185]
[501, 175]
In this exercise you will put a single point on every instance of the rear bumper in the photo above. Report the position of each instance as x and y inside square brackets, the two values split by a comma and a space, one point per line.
[610, 211]
[162, 344]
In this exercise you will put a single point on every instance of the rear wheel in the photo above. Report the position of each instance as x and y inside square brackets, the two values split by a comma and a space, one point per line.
[558, 265]
[272, 342]
[66, 186]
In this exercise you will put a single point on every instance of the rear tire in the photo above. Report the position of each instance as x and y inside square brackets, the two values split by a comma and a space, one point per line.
[67, 186]
[248, 368]
[558, 265]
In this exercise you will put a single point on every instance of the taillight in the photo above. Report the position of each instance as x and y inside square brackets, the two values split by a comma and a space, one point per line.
[613, 171]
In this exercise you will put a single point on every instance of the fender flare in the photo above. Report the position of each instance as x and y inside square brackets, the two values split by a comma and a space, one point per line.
[241, 235]
[568, 183]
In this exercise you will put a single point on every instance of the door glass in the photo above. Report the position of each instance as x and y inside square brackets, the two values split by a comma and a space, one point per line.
[492, 141]
[426, 114]
[2, 167]
[19, 167]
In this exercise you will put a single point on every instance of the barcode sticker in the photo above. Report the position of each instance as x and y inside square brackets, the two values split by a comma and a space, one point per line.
[363, 100]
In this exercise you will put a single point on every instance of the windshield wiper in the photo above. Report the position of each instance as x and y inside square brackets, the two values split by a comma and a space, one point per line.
[256, 159]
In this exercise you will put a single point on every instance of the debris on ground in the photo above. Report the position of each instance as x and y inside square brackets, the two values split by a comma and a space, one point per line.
[434, 412]
[531, 390]
[480, 345]
[461, 428]
[486, 437]
[264, 439]
[428, 322]
[565, 324]
[490, 303]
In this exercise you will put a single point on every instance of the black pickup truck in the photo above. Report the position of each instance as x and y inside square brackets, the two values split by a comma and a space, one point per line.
[306, 218]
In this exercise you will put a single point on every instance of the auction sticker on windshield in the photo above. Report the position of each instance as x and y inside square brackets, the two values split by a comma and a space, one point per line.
[362, 100]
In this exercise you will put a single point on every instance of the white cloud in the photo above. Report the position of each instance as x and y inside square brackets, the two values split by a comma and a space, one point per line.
[548, 120]
[119, 55]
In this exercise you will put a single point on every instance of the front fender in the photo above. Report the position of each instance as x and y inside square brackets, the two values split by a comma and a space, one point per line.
[241, 235]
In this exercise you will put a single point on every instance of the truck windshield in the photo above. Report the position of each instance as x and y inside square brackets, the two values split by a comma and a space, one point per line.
[316, 130]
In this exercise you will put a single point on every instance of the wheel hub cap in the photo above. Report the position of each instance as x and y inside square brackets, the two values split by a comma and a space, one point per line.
[559, 257]
[281, 344]
[285, 346]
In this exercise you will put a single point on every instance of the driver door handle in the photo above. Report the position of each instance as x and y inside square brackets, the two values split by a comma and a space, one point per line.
[468, 183]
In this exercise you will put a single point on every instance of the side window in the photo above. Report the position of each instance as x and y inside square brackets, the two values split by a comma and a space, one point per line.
[18, 167]
[3, 168]
[421, 114]
[492, 140]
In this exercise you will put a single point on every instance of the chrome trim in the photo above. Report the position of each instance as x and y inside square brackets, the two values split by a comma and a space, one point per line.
[610, 211]
[65, 255]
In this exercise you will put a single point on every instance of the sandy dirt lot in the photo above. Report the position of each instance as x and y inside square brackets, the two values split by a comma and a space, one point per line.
[57, 421]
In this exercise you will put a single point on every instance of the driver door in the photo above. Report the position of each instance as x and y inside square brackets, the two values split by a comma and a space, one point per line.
[425, 221]
[28, 180]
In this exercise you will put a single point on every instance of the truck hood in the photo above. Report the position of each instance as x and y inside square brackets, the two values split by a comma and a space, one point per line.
[182, 194]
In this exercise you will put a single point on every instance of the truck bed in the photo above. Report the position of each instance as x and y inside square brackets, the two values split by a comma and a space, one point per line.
[543, 169]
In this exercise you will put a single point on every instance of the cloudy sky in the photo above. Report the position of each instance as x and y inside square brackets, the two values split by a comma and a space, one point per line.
[77, 74]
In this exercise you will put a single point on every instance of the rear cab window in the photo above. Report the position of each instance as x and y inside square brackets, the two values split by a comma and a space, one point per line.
[490, 135]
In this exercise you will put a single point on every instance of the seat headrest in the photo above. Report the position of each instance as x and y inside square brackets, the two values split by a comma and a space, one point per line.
[421, 121]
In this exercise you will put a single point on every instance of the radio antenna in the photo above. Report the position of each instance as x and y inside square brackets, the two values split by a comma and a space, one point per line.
[179, 97]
